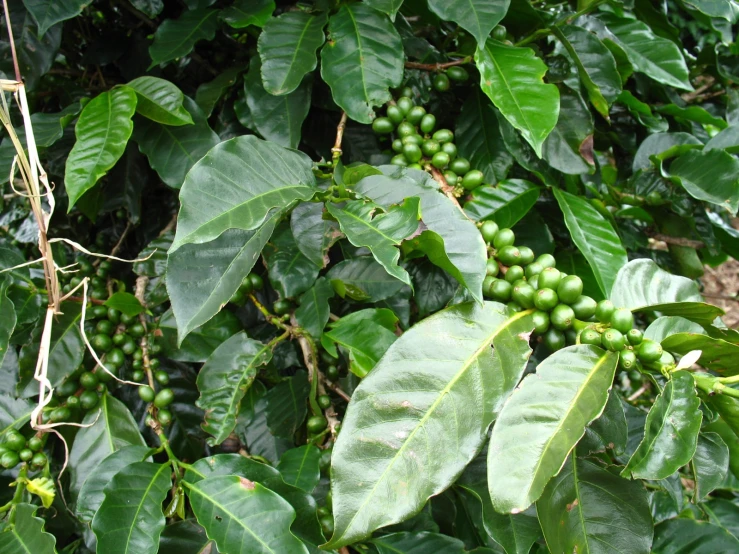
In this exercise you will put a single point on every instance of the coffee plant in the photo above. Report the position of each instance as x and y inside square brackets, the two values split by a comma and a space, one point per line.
[379, 276]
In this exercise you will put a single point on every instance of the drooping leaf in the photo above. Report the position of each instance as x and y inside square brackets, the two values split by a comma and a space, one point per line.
[125, 302]
[224, 379]
[670, 433]
[431, 383]
[365, 224]
[687, 536]
[314, 311]
[7, 316]
[300, 467]
[718, 355]
[248, 12]
[543, 420]
[47, 13]
[512, 78]
[172, 151]
[363, 279]
[313, 234]
[202, 341]
[160, 100]
[588, 509]
[411, 543]
[130, 519]
[243, 516]
[711, 175]
[506, 203]
[362, 59]
[290, 272]
[478, 17]
[594, 237]
[175, 38]
[287, 405]
[287, 47]
[710, 464]
[236, 185]
[102, 131]
[26, 533]
[609, 431]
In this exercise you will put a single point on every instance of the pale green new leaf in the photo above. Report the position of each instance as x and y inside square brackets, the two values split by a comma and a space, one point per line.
[47, 13]
[130, 519]
[423, 413]
[102, 131]
[224, 379]
[513, 79]
[711, 175]
[236, 185]
[26, 535]
[175, 38]
[160, 100]
[506, 203]
[543, 420]
[314, 311]
[716, 354]
[478, 17]
[362, 60]
[670, 433]
[287, 47]
[300, 467]
[365, 224]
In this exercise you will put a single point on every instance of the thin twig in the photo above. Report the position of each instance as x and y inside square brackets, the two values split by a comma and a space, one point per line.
[123, 236]
[438, 66]
[445, 187]
[678, 241]
[336, 150]
[641, 390]
[337, 389]
[17, 68]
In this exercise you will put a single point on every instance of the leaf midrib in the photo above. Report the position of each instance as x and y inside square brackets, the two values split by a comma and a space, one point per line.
[147, 490]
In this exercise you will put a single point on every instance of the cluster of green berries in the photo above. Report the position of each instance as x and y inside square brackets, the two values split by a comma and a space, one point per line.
[15, 449]
[419, 146]
[442, 80]
[252, 282]
[562, 314]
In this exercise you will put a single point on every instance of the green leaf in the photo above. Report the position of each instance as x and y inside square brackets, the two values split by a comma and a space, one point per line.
[14, 412]
[643, 113]
[451, 240]
[49, 127]
[25, 534]
[102, 131]
[224, 379]
[658, 143]
[202, 341]
[314, 311]
[479, 140]
[727, 139]
[594, 237]
[160, 100]
[287, 47]
[433, 382]
[709, 465]
[588, 509]
[411, 543]
[7, 316]
[175, 38]
[569, 147]
[718, 355]
[248, 12]
[512, 78]
[665, 326]
[151, 8]
[363, 279]
[236, 185]
[208, 94]
[595, 65]
[478, 17]
[365, 224]
[389, 7]
[290, 272]
[692, 113]
[708, 175]
[126, 303]
[201, 278]
[242, 516]
[313, 234]
[130, 519]
[725, 9]
[92, 494]
[722, 429]
[362, 59]
[687, 536]
[185, 537]
[276, 118]
[543, 420]
[287, 405]
[111, 427]
[728, 409]
[506, 203]
[724, 513]
[299, 467]
[47, 13]
[670, 433]
[609, 431]
[366, 335]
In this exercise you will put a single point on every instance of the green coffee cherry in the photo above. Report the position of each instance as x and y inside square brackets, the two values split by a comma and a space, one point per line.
[332, 372]
[547, 260]
[443, 135]
[281, 307]
[590, 336]
[9, 459]
[504, 237]
[508, 255]
[604, 310]
[316, 424]
[460, 166]
[60, 414]
[450, 148]
[541, 322]
[627, 359]
[532, 269]
[472, 179]
[584, 307]
[649, 351]
[523, 294]
[428, 122]
[487, 282]
[549, 278]
[491, 267]
[14, 441]
[399, 160]
[635, 337]
[88, 400]
[554, 339]
[161, 377]
[613, 340]
[39, 460]
[489, 229]
[406, 129]
[451, 177]
[545, 299]
[146, 393]
[324, 401]
[513, 307]
[569, 289]
[397, 146]
[501, 290]
[256, 281]
[622, 320]
[430, 148]
[415, 115]
[412, 152]
[164, 398]
[88, 380]
[440, 160]
[514, 273]
[101, 342]
[26, 454]
[562, 317]
[327, 525]
[457, 73]
[394, 115]
[527, 255]
[35, 443]
[164, 417]
[404, 105]
[441, 82]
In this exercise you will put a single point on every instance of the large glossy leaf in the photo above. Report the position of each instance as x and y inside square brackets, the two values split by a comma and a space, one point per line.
[300, 467]
[92, 492]
[609, 431]
[451, 240]
[130, 519]
[671, 431]
[569, 147]
[26, 535]
[287, 405]
[724, 513]
[248, 12]
[687, 536]
[590, 510]
[242, 516]
[363, 279]
[478, 17]
[389, 7]
[479, 140]
[722, 429]
[276, 118]
[14, 412]
[236, 185]
[111, 427]
[512, 78]
[102, 131]
[435, 381]
[160, 100]
[7, 316]
[47, 13]
[415, 543]
[594, 237]
[313, 234]
[365, 224]
[710, 464]
[202, 341]
[665, 326]
[185, 537]
[506, 203]
[362, 60]
[287, 47]
[201, 278]
[718, 355]
[314, 311]
[224, 379]
[542, 421]
[710, 175]
[172, 151]
[175, 38]
[290, 272]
